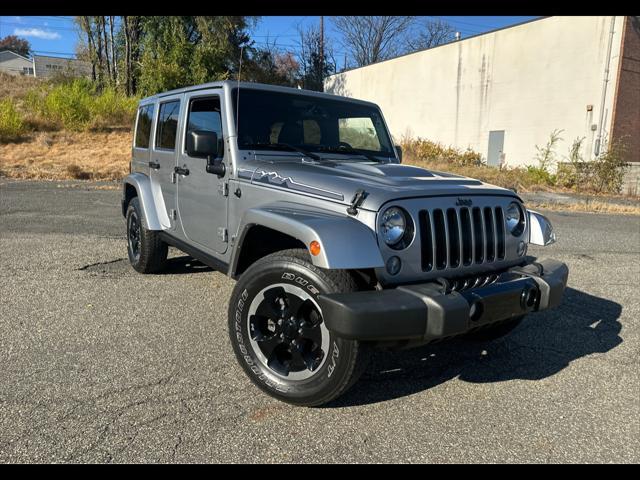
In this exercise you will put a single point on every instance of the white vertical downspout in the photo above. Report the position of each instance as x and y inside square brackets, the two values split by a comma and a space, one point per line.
[604, 87]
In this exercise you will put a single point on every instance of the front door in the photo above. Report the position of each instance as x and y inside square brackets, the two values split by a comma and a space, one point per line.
[163, 159]
[202, 196]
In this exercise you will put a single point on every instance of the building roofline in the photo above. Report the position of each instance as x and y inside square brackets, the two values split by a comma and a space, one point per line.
[515, 25]
[17, 54]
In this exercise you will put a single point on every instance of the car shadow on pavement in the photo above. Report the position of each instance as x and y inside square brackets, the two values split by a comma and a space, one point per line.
[184, 264]
[541, 346]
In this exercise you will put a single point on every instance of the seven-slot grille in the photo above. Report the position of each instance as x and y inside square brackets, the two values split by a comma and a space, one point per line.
[461, 237]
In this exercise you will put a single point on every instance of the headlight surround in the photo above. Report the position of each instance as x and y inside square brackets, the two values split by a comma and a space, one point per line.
[396, 228]
[514, 217]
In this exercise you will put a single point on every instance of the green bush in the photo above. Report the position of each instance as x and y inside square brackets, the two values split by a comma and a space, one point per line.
[11, 124]
[77, 105]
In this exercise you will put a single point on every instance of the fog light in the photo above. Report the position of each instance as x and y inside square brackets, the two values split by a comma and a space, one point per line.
[393, 265]
[522, 248]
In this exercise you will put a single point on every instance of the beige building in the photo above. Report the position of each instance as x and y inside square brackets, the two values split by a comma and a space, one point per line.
[42, 66]
[15, 64]
[503, 92]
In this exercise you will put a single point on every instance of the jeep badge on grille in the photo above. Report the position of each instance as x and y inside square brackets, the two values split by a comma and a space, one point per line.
[464, 202]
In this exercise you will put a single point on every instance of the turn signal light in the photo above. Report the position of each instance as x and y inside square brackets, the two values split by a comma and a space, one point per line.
[314, 248]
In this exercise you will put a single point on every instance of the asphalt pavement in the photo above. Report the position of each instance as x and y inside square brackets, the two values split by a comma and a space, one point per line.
[101, 364]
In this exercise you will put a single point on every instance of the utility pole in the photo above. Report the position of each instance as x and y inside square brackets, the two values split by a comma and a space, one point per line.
[322, 46]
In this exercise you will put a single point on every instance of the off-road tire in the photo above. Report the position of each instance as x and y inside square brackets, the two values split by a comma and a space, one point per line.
[496, 331]
[151, 255]
[344, 361]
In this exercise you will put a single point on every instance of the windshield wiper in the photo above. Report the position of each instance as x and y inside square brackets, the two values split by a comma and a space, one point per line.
[283, 146]
[345, 149]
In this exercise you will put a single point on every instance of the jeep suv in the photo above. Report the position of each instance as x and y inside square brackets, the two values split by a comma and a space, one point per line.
[337, 248]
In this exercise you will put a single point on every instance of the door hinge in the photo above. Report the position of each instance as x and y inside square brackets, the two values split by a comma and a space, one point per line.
[173, 177]
[222, 233]
[173, 214]
[223, 188]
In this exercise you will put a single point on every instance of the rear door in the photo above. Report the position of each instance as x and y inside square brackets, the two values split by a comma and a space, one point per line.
[202, 196]
[163, 158]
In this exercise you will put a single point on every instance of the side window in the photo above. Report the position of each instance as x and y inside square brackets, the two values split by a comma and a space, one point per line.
[143, 131]
[204, 114]
[359, 133]
[167, 125]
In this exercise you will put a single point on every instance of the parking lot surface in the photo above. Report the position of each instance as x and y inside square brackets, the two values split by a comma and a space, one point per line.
[101, 364]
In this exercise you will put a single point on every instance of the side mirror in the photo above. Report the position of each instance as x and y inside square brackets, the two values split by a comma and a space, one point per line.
[204, 144]
[399, 152]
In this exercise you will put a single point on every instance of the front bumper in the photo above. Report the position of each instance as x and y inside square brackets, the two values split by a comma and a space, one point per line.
[426, 312]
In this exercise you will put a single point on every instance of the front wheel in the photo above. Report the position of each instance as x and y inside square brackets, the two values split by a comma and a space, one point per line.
[278, 332]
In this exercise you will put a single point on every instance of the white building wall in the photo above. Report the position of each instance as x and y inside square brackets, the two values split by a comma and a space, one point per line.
[526, 80]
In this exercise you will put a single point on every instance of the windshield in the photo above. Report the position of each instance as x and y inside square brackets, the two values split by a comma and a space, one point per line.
[288, 122]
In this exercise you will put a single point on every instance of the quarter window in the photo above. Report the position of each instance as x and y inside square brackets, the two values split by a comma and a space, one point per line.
[143, 130]
[167, 125]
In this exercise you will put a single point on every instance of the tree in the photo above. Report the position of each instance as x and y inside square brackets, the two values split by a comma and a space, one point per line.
[315, 58]
[371, 39]
[16, 44]
[431, 34]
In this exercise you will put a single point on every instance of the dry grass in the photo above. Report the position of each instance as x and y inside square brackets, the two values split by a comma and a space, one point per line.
[17, 86]
[588, 207]
[513, 178]
[67, 155]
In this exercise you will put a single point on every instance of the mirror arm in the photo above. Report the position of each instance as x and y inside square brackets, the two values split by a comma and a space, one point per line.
[215, 165]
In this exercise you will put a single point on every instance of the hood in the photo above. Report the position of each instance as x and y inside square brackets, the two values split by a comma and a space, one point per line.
[339, 180]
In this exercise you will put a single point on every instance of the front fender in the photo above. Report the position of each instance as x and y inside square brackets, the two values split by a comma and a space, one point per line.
[143, 187]
[540, 229]
[345, 242]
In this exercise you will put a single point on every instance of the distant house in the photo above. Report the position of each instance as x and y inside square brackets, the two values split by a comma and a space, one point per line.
[42, 66]
[46, 66]
[15, 64]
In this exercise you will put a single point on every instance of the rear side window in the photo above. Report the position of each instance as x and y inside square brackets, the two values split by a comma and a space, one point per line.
[143, 131]
[167, 125]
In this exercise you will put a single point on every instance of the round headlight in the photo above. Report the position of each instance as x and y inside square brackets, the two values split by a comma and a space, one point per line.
[396, 228]
[393, 225]
[515, 219]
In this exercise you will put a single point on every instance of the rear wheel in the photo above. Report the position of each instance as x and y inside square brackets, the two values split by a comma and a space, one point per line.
[147, 252]
[278, 332]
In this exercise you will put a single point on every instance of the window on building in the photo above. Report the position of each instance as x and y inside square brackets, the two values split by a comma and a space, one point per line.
[143, 130]
[167, 125]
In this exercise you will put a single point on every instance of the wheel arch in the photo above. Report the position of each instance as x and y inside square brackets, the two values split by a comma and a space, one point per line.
[139, 185]
[346, 243]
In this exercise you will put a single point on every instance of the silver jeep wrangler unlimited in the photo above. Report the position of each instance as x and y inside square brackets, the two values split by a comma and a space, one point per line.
[337, 248]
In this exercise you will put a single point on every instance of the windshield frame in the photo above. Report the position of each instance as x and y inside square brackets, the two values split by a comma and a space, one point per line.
[383, 134]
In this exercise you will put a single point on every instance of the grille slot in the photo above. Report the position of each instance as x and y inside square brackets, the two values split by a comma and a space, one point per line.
[460, 237]
[440, 240]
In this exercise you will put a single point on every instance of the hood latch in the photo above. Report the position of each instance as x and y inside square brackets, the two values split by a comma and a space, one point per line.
[356, 201]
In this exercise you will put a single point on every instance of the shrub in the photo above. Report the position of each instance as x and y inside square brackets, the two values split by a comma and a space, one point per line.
[75, 104]
[428, 151]
[11, 124]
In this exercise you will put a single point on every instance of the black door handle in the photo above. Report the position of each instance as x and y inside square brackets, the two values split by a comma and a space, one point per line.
[181, 171]
[155, 165]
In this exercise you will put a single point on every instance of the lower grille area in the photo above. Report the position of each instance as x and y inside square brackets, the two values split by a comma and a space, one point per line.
[462, 236]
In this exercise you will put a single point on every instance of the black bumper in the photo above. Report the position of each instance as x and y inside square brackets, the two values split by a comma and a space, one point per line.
[426, 312]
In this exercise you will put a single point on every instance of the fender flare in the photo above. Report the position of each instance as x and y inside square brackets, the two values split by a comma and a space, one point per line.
[345, 243]
[142, 184]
